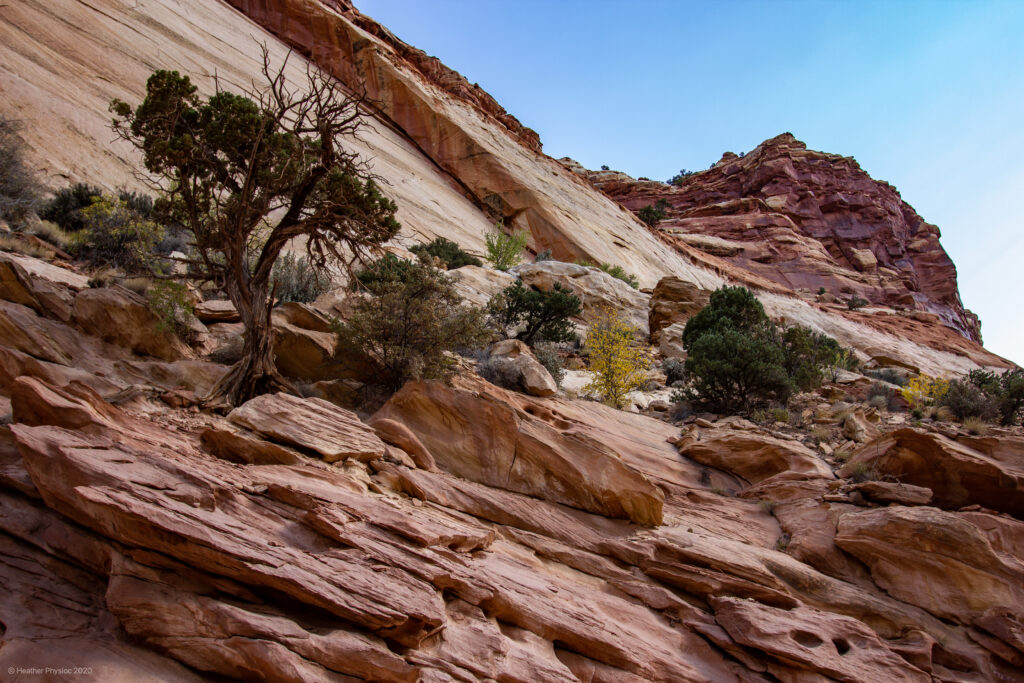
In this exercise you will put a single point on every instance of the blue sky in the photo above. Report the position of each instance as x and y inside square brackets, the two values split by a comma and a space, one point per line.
[926, 95]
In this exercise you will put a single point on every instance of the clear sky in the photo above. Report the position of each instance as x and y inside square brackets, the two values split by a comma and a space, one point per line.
[926, 95]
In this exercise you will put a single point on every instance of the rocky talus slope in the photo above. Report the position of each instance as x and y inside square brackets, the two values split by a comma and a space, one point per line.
[465, 532]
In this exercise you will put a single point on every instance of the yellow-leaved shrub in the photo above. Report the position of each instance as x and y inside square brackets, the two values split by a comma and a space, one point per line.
[616, 359]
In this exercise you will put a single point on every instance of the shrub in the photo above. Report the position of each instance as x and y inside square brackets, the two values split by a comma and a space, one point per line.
[295, 279]
[808, 353]
[620, 273]
[879, 402]
[170, 301]
[543, 256]
[531, 314]
[447, 252]
[924, 390]
[410, 322]
[503, 250]
[735, 362]
[66, 206]
[617, 361]
[779, 415]
[652, 214]
[975, 426]
[680, 177]
[675, 371]
[19, 187]
[548, 356]
[988, 396]
[49, 232]
[604, 167]
[856, 302]
[115, 235]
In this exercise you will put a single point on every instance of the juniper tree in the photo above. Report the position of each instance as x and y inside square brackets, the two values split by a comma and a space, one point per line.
[247, 173]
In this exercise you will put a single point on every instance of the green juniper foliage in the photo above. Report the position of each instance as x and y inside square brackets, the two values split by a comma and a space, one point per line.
[448, 252]
[530, 314]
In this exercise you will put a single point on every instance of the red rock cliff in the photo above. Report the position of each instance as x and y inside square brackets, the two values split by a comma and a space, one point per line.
[807, 219]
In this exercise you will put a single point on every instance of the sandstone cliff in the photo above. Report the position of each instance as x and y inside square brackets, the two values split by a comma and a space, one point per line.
[806, 220]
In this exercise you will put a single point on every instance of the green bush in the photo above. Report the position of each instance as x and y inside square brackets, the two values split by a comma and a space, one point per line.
[295, 279]
[887, 375]
[680, 177]
[66, 206]
[115, 235]
[808, 353]
[169, 300]
[620, 273]
[409, 323]
[447, 252]
[856, 302]
[652, 214]
[505, 251]
[736, 361]
[987, 396]
[543, 256]
[532, 314]
[19, 187]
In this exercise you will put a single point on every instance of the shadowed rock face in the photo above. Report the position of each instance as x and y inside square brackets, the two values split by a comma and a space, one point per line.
[806, 219]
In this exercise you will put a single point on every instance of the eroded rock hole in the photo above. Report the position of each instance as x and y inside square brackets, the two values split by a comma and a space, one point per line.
[842, 646]
[806, 638]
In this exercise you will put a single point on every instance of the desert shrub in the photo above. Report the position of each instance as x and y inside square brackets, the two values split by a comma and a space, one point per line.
[295, 279]
[879, 402]
[975, 426]
[966, 400]
[924, 390]
[678, 178]
[987, 395]
[141, 204]
[447, 252]
[856, 302]
[21, 246]
[887, 375]
[170, 301]
[675, 371]
[548, 356]
[616, 359]
[66, 206]
[820, 433]
[505, 250]
[409, 323]
[529, 314]
[735, 362]
[543, 256]
[620, 273]
[808, 354]
[113, 234]
[652, 214]
[19, 188]
[49, 232]
[779, 415]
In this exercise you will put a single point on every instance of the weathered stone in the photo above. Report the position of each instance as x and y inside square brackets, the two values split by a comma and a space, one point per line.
[217, 311]
[483, 436]
[751, 455]
[311, 424]
[673, 302]
[122, 317]
[893, 492]
[517, 360]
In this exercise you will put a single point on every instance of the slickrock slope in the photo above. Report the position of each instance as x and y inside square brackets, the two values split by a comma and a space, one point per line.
[806, 219]
[467, 532]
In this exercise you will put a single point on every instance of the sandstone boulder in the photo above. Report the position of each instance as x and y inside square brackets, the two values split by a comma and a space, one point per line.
[857, 427]
[486, 438]
[123, 318]
[311, 424]
[673, 302]
[514, 360]
[893, 492]
[43, 287]
[216, 311]
[752, 455]
[933, 559]
[956, 472]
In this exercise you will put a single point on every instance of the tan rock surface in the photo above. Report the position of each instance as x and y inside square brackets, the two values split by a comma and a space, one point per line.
[121, 317]
[751, 455]
[515, 358]
[484, 437]
[958, 474]
[311, 424]
[933, 559]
